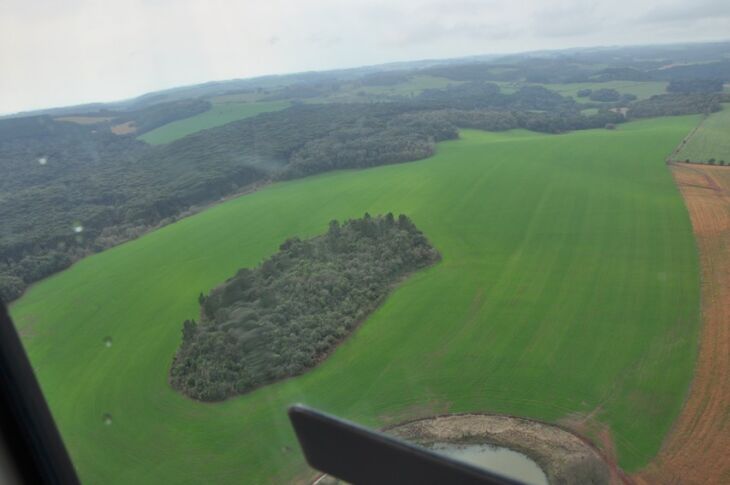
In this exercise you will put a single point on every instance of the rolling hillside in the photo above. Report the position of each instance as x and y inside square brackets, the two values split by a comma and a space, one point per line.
[568, 286]
[219, 114]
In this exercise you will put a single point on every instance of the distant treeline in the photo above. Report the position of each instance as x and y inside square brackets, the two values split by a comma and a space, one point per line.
[696, 86]
[142, 119]
[566, 70]
[60, 177]
[151, 117]
[526, 70]
[482, 95]
[491, 120]
[675, 104]
[606, 95]
[283, 317]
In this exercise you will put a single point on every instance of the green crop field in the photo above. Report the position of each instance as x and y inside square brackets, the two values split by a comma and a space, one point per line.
[641, 89]
[569, 284]
[711, 140]
[218, 115]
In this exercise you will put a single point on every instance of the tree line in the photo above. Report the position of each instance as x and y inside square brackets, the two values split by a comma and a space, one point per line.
[61, 178]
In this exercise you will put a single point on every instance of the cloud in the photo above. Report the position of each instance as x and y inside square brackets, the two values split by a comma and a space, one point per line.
[321, 40]
[434, 31]
[688, 11]
[57, 53]
[570, 19]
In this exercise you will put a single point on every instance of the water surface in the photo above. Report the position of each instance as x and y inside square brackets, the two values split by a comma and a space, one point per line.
[501, 460]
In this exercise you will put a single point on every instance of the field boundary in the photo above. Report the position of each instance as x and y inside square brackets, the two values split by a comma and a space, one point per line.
[671, 158]
[695, 450]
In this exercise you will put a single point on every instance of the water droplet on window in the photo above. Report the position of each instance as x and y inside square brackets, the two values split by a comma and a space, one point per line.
[106, 419]
[107, 341]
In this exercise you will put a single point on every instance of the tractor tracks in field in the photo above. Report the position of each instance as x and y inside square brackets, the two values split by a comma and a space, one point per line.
[672, 158]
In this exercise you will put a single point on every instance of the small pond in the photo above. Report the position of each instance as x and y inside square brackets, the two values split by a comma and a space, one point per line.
[501, 460]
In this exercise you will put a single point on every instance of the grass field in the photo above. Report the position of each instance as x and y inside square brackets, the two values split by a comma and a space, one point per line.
[711, 140]
[218, 115]
[569, 284]
[641, 89]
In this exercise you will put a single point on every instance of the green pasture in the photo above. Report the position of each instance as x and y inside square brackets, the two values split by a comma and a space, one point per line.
[569, 284]
[711, 140]
[219, 114]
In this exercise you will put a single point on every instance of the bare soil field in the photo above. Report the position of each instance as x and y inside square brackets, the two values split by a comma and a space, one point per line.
[697, 450]
[124, 128]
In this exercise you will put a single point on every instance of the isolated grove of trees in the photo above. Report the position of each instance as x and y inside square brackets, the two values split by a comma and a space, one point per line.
[604, 95]
[284, 316]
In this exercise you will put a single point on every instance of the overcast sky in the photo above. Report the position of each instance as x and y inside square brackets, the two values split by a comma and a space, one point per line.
[61, 52]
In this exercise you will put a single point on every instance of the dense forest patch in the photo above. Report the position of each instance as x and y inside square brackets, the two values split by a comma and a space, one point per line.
[279, 319]
[676, 104]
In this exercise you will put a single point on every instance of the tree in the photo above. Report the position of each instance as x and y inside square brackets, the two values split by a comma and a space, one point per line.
[188, 330]
[263, 324]
[605, 95]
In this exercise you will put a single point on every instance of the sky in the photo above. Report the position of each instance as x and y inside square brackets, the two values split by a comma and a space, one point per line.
[63, 52]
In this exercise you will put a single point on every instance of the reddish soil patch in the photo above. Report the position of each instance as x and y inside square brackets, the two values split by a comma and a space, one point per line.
[697, 450]
[587, 425]
[124, 128]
